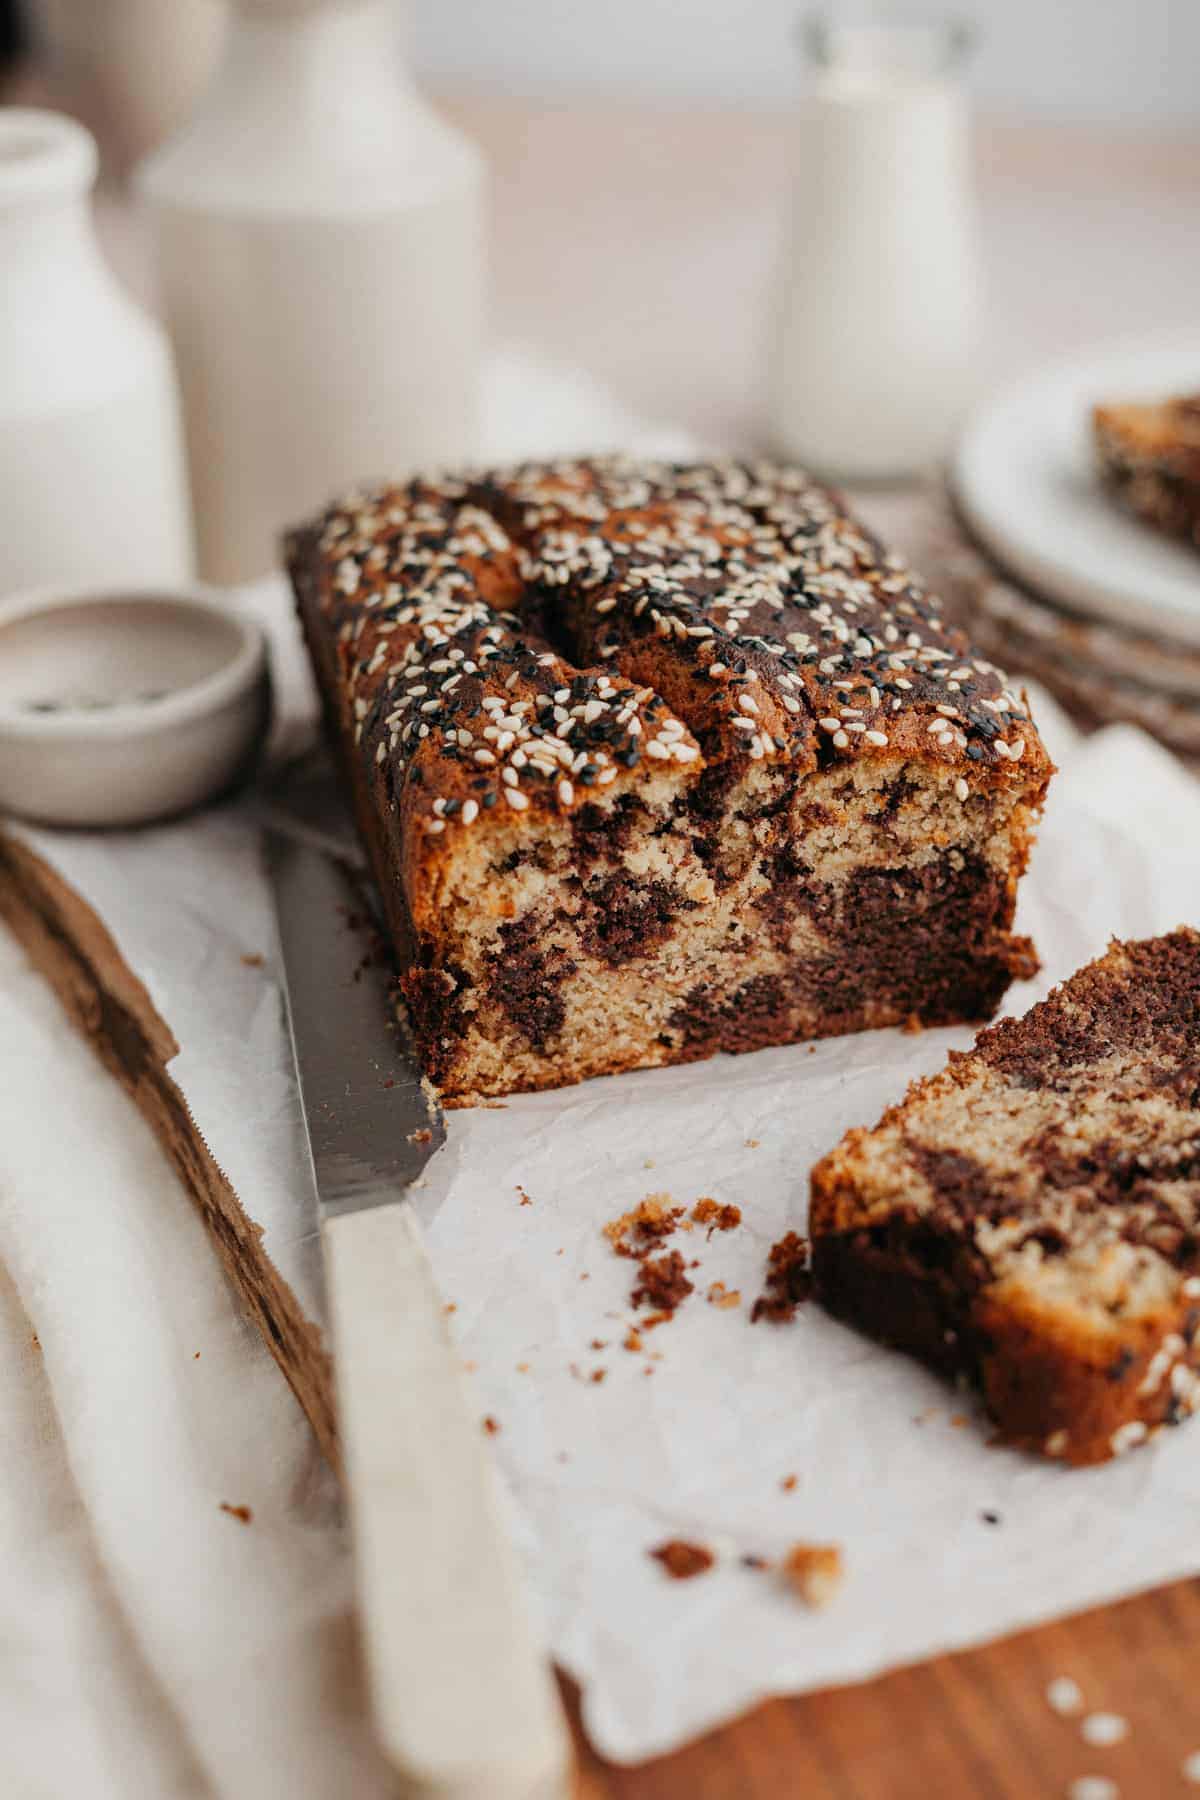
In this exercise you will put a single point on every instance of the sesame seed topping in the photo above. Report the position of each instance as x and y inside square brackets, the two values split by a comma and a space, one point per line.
[961, 790]
[755, 567]
[1064, 1696]
[516, 799]
[1101, 1729]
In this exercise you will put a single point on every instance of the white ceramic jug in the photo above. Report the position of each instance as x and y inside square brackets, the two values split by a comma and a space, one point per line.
[92, 487]
[875, 324]
[319, 234]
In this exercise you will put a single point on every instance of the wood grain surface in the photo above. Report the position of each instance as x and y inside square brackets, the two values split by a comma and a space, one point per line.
[639, 244]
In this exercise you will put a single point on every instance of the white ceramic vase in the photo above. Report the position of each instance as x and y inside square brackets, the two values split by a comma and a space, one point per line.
[92, 486]
[320, 244]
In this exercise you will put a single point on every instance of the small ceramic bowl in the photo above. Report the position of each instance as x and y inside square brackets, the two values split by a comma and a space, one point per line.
[120, 708]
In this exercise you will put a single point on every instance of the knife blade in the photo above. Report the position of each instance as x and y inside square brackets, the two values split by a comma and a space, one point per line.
[463, 1698]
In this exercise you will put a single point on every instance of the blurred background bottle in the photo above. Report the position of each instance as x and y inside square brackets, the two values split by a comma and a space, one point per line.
[875, 308]
[91, 457]
[319, 236]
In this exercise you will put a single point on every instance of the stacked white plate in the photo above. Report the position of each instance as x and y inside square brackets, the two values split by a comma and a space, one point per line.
[1103, 608]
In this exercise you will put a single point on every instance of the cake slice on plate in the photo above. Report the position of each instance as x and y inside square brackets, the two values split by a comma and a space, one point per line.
[1028, 1217]
[1149, 454]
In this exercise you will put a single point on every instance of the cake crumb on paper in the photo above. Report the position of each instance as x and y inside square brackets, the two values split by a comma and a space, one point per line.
[682, 1560]
[814, 1572]
[664, 1285]
[490, 1425]
[715, 1215]
[788, 1484]
[653, 1217]
[253, 959]
[242, 1514]
[719, 1295]
[789, 1280]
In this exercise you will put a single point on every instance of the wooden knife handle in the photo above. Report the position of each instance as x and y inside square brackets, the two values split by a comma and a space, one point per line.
[464, 1700]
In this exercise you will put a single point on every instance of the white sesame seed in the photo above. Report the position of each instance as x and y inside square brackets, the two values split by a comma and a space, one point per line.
[1126, 1436]
[516, 799]
[877, 737]
[470, 811]
[1189, 1768]
[1093, 1787]
[1100, 1729]
[830, 724]
[841, 740]
[1065, 1696]
[684, 753]
[657, 750]
[485, 757]
[747, 703]
[961, 790]
[566, 791]
[433, 826]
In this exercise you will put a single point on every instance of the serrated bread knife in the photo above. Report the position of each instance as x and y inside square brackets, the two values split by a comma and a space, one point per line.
[464, 1700]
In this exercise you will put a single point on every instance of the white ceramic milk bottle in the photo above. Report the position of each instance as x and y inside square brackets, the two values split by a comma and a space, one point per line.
[92, 487]
[320, 243]
[875, 306]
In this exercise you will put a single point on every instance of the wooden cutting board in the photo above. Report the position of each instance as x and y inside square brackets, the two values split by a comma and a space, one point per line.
[975, 1725]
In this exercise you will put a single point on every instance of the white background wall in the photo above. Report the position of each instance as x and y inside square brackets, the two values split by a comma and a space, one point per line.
[1129, 61]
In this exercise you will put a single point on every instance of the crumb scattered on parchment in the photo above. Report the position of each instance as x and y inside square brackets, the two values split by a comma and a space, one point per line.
[450, 1306]
[242, 1514]
[632, 1339]
[789, 1281]
[525, 1200]
[750, 1561]
[752, 1143]
[814, 1572]
[958, 1420]
[598, 1344]
[912, 1025]
[664, 1284]
[422, 1136]
[719, 1295]
[253, 959]
[490, 1425]
[598, 1375]
[682, 1560]
[788, 1484]
[651, 1219]
[195, 1356]
[35, 1342]
[717, 1217]
[522, 1368]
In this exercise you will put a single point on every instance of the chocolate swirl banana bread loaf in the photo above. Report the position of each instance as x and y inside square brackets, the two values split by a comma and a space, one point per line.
[656, 760]
[1031, 1215]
